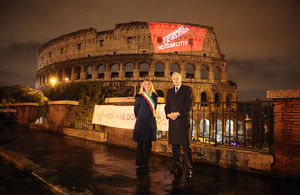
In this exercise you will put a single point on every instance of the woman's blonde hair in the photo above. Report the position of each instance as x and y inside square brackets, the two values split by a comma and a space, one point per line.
[152, 90]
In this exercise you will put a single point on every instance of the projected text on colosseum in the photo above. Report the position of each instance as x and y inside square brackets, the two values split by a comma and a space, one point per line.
[170, 37]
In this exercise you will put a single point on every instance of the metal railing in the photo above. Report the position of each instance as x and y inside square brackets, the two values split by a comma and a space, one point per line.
[80, 117]
[236, 124]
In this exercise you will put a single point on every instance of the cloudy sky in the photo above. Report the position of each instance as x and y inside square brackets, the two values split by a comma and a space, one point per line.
[260, 38]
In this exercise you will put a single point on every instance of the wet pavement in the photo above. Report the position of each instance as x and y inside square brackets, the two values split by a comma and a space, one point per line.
[85, 167]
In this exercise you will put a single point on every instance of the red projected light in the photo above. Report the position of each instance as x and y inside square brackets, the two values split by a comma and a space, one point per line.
[170, 37]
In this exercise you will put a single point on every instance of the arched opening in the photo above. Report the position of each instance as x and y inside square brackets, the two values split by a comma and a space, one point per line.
[144, 70]
[59, 76]
[68, 73]
[77, 71]
[160, 93]
[174, 68]
[89, 72]
[228, 100]
[203, 98]
[193, 125]
[204, 72]
[43, 80]
[218, 130]
[115, 71]
[204, 129]
[229, 129]
[101, 71]
[217, 75]
[190, 71]
[159, 70]
[129, 70]
[217, 99]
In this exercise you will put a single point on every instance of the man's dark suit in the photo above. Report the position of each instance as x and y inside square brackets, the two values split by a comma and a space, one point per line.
[179, 129]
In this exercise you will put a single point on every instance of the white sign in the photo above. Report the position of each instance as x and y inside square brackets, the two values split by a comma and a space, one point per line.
[123, 116]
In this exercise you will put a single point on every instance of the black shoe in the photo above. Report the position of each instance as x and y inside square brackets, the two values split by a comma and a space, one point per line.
[139, 168]
[145, 167]
[176, 170]
[188, 175]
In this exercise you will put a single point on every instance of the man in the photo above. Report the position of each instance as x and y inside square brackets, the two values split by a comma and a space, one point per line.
[178, 105]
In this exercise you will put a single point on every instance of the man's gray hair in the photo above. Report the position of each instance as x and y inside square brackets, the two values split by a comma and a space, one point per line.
[176, 73]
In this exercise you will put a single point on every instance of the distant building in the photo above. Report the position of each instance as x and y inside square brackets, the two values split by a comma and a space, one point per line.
[123, 57]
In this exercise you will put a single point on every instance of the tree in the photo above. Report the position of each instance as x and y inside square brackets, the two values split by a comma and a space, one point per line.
[19, 94]
[85, 93]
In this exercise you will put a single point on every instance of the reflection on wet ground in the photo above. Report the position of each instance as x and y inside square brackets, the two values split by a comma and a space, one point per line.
[104, 169]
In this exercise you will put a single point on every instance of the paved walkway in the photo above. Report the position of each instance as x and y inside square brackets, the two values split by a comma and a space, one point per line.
[75, 166]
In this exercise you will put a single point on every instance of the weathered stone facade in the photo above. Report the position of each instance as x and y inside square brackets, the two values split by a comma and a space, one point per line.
[123, 57]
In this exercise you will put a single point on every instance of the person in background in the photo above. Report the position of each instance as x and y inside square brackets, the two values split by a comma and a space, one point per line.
[145, 126]
[179, 101]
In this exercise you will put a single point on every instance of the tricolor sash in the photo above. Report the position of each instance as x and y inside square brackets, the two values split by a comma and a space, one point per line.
[150, 102]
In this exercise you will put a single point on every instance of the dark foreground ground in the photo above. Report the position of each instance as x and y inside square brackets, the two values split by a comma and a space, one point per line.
[82, 167]
[14, 181]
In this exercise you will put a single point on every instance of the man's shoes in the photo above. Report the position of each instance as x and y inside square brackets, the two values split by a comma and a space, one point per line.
[176, 171]
[146, 167]
[188, 175]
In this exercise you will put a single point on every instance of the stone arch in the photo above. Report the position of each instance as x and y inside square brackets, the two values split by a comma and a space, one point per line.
[204, 128]
[229, 98]
[193, 128]
[217, 73]
[129, 69]
[174, 67]
[217, 99]
[204, 72]
[89, 72]
[114, 70]
[190, 71]
[101, 71]
[52, 75]
[68, 74]
[203, 97]
[159, 69]
[218, 128]
[43, 79]
[144, 69]
[59, 75]
[160, 93]
[77, 71]
[47, 75]
[229, 128]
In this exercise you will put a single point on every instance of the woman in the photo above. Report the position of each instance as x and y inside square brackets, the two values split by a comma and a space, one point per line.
[145, 126]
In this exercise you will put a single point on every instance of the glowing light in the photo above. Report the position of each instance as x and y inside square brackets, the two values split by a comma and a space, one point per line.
[171, 37]
[66, 79]
[53, 81]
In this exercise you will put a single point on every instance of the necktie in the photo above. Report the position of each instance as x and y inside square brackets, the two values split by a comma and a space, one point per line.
[176, 90]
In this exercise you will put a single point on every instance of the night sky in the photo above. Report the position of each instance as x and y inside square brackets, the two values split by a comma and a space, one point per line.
[260, 38]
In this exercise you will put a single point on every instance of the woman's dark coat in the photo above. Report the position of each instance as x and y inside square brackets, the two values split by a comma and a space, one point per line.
[182, 101]
[145, 125]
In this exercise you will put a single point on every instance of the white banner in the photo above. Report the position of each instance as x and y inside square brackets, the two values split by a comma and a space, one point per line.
[123, 116]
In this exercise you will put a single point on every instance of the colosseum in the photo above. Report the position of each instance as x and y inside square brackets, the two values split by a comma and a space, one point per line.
[123, 57]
